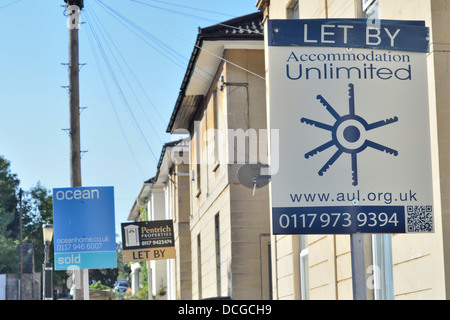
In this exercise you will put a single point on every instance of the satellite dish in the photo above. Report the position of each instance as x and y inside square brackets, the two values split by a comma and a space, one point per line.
[249, 175]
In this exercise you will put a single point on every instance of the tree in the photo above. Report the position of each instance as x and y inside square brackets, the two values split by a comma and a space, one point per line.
[123, 268]
[37, 209]
[9, 261]
[9, 184]
[109, 276]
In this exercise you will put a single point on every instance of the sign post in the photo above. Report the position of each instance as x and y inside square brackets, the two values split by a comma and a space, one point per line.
[350, 102]
[84, 228]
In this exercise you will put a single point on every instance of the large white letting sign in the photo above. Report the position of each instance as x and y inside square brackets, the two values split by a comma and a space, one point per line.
[351, 105]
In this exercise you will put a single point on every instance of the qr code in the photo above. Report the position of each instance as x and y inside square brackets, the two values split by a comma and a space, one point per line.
[419, 219]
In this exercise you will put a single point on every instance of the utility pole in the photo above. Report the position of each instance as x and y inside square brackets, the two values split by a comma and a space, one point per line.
[74, 107]
[73, 10]
[21, 243]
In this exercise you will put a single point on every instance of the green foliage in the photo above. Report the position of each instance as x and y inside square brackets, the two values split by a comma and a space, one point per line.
[9, 231]
[106, 276]
[109, 276]
[98, 286]
[123, 269]
[37, 209]
[143, 212]
[9, 186]
[9, 261]
[40, 201]
[143, 293]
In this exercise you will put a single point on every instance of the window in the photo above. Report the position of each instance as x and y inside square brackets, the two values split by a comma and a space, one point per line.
[168, 199]
[293, 10]
[199, 267]
[217, 242]
[216, 131]
[383, 279]
[196, 158]
[266, 267]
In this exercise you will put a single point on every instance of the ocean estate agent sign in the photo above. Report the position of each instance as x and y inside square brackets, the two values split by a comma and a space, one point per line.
[350, 102]
[84, 228]
[148, 240]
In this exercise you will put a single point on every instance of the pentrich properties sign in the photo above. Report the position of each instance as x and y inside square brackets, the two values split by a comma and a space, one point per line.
[351, 105]
[148, 240]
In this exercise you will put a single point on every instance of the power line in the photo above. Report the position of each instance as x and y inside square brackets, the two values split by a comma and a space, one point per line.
[158, 45]
[200, 48]
[108, 93]
[128, 82]
[122, 94]
[191, 15]
[94, 41]
[165, 50]
[173, 11]
[128, 23]
[192, 8]
[10, 4]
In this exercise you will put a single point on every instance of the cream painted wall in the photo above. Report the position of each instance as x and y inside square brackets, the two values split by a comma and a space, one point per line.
[243, 217]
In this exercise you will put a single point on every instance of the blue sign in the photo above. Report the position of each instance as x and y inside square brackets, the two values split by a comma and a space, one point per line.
[350, 33]
[84, 228]
[338, 220]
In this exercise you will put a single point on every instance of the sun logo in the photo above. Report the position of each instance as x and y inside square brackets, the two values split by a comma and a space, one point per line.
[348, 134]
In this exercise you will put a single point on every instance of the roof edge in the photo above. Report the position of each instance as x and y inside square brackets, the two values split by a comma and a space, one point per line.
[212, 33]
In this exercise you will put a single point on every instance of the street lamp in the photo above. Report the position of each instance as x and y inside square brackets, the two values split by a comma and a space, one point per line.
[47, 268]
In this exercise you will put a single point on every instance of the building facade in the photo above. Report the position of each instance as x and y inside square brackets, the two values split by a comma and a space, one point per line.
[219, 202]
[221, 226]
[399, 266]
[222, 108]
[166, 197]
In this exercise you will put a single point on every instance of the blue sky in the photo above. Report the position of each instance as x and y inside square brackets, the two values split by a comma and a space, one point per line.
[147, 44]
